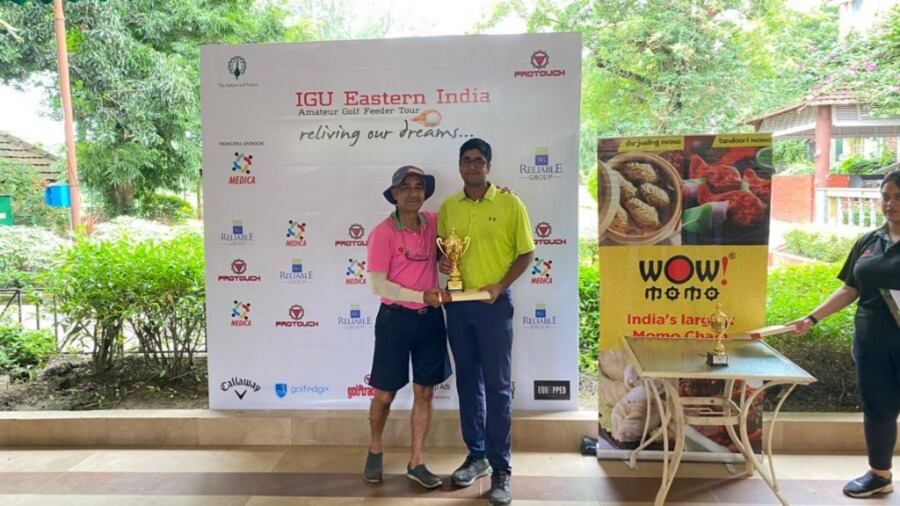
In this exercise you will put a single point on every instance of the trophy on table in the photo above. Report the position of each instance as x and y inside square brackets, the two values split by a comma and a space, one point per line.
[454, 247]
[719, 323]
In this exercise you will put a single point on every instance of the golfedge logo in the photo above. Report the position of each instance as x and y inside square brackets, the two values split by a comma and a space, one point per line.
[240, 170]
[355, 272]
[684, 278]
[541, 318]
[296, 274]
[239, 273]
[296, 313]
[240, 386]
[238, 236]
[354, 319]
[240, 314]
[540, 271]
[295, 231]
[542, 169]
[539, 61]
[356, 234]
[360, 390]
[542, 233]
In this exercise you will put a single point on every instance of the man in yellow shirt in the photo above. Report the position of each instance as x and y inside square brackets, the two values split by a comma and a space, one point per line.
[481, 333]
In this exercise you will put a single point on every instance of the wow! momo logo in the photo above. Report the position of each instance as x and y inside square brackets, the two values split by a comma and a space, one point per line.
[684, 278]
[541, 271]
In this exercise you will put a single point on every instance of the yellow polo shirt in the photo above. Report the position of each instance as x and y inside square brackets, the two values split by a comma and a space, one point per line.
[499, 230]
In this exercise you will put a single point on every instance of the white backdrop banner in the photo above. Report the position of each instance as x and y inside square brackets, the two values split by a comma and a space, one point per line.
[299, 141]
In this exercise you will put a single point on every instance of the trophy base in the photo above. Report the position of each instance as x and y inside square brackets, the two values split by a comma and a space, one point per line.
[714, 359]
[466, 296]
[454, 285]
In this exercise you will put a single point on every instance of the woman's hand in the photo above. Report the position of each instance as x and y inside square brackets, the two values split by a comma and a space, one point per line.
[801, 326]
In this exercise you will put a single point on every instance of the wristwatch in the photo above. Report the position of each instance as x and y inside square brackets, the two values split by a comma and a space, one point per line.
[812, 318]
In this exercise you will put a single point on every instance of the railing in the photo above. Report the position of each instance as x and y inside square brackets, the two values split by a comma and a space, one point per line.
[853, 208]
[29, 312]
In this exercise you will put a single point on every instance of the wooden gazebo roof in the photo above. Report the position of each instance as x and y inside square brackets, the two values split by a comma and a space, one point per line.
[16, 150]
[849, 118]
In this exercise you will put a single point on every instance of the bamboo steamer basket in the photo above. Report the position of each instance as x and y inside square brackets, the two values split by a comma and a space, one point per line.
[607, 210]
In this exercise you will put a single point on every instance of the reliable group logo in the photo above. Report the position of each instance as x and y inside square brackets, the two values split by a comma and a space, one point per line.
[296, 273]
[541, 318]
[297, 316]
[540, 62]
[240, 314]
[541, 271]
[687, 278]
[240, 170]
[295, 231]
[355, 272]
[283, 389]
[238, 273]
[238, 236]
[240, 386]
[356, 234]
[542, 233]
[361, 390]
[354, 319]
[542, 169]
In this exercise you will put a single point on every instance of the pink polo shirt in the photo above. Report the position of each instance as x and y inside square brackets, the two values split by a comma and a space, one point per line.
[389, 243]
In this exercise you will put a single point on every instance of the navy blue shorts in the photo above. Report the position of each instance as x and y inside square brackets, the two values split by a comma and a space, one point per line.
[401, 334]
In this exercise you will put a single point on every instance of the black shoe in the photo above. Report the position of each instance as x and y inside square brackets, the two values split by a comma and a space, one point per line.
[471, 470]
[868, 485]
[421, 475]
[500, 491]
[374, 467]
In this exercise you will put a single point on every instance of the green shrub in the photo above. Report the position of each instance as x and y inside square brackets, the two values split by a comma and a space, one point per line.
[26, 188]
[793, 291]
[588, 317]
[822, 247]
[859, 165]
[156, 287]
[591, 183]
[165, 208]
[23, 351]
[26, 252]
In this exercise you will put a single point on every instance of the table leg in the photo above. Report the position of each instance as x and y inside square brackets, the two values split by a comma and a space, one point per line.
[645, 442]
[672, 409]
[768, 476]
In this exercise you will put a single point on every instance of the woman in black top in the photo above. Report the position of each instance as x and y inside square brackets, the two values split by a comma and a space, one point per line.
[873, 265]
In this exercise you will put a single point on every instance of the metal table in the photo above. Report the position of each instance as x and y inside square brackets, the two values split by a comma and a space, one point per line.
[663, 362]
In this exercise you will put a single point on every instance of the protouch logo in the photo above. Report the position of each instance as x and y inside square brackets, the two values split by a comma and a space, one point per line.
[356, 234]
[540, 62]
[543, 235]
[296, 313]
[238, 273]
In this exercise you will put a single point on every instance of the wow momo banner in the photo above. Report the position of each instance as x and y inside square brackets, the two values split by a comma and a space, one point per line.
[684, 224]
[299, 141]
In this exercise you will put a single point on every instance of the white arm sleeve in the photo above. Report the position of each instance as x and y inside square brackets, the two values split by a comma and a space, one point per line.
[390, 290]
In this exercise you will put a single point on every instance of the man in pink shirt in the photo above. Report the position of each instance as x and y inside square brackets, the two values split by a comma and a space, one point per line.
[402, 264]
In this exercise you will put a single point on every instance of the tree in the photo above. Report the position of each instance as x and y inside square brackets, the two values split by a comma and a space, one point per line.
[654, 67]
[134, 68]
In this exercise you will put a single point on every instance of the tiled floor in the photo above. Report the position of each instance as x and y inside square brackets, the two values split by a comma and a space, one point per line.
[331, 476]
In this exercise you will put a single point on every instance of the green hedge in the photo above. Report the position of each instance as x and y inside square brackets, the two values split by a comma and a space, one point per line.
[23, 351]
[822, 247]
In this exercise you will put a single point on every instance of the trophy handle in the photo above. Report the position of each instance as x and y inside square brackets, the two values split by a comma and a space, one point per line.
[466, 242]
[440, 245]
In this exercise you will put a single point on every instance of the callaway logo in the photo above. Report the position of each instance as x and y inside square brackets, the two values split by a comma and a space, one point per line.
[240, 386]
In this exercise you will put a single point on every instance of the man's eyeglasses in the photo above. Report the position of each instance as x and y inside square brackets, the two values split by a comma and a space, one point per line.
[415, 256]
[478, 163]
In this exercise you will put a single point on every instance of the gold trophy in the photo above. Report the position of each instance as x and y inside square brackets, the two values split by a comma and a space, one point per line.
[454, 247]
[719, 323]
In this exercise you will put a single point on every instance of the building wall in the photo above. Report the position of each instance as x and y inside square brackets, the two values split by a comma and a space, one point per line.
[793, 199]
